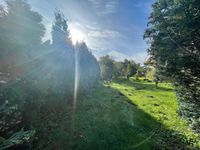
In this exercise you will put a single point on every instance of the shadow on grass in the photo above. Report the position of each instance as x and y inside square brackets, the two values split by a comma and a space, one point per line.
[106, 120]
[141, 85]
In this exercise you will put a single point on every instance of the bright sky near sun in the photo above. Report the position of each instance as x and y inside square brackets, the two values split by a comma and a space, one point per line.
[113, 27]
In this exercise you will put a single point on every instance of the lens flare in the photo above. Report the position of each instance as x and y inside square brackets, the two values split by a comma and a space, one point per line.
[76, 81]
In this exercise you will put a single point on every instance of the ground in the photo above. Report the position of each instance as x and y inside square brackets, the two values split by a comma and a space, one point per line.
[123, 115]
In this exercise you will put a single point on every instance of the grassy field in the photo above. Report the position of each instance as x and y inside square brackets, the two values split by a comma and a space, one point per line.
[159, 103]
[124, 115]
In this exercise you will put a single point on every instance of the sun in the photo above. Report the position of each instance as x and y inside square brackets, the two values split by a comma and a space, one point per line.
[76, 35]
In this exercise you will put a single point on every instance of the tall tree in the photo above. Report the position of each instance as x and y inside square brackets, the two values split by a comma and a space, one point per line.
[18, 22]
[62, 57]
[60, 32]
[131, 68]
[88, 67]
[107, 67]
[174, 35]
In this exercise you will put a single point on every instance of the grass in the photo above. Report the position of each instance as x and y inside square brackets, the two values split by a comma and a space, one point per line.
[123, 115]
[160, 103]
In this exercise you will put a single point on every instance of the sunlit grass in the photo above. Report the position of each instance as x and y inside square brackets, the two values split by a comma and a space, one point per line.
[160, 103]
[105, 119]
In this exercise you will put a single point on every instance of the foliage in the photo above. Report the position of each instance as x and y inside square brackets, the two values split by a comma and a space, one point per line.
[88, 67]
[107, 68]
[150, 73]
[19, 138]
[131, 68]
[174, 35]
[18, 22]
[60, 33]
[111, 69]
[37, 77]
[61, 63]
[15, 114]
[141, 72]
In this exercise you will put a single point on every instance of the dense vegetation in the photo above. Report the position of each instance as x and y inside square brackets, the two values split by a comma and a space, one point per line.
[174, 35]
[111, 69]
[37, 76]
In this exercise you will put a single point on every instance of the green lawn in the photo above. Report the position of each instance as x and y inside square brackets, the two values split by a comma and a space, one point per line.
[125, 115]
[160, 104]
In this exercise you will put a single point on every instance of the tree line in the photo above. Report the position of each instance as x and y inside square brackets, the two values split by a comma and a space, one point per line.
[111, 69]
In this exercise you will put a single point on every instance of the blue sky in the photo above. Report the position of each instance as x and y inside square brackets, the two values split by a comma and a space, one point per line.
[112, 27]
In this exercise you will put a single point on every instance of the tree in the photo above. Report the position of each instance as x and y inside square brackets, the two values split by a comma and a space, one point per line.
[61, 62]
[18, 22]
[131, 68]
[20, 40]
[120, 69]
[107, 67]
[141, 71]
[111, 69]
[48, 80]
[174, 35]
[88, 67]
[60, 32]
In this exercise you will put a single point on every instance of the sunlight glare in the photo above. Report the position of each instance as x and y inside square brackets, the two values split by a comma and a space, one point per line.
[76, 35]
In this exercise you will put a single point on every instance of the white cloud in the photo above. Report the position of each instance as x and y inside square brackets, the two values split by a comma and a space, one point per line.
[138, 57]
[103, 7]
[96, 3]
[89, 27]
[47, 35]
[117, 55]
[103, 34]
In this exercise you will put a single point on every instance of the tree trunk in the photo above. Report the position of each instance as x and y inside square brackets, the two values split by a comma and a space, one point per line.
[156, 84]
